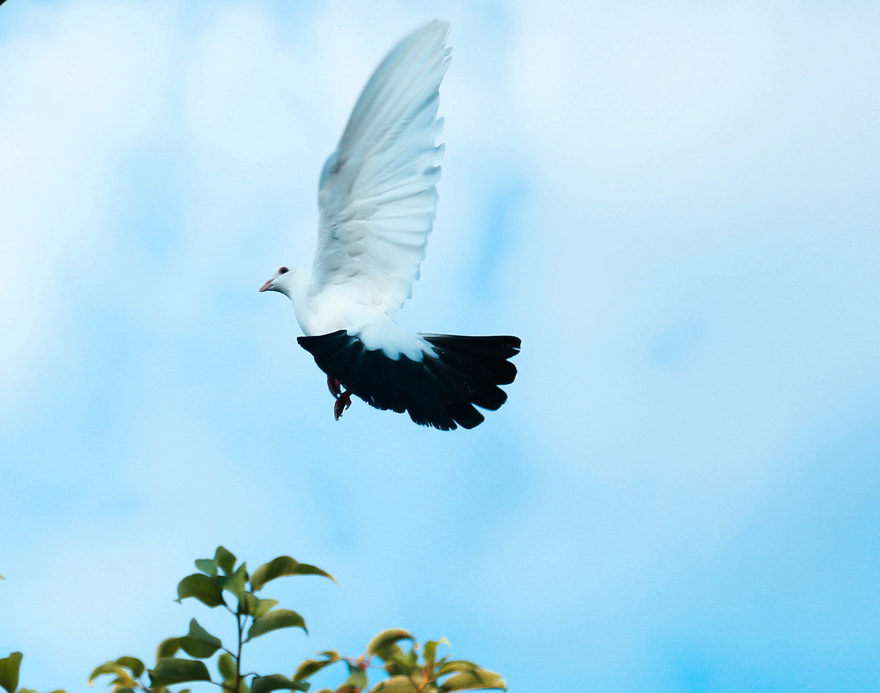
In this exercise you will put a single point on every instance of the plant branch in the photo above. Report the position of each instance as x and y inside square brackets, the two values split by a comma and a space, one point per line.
[238, 620]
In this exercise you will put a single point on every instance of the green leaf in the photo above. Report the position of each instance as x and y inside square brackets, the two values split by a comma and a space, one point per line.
[226, 665]
[382, 642]
[396, 684]
[281, 618]
[248, 603]
[114, 668]
[205, 589]
[124, 680]
[456, 665]
[263, 607]
[167, 648]
[199, 642]
[312, 666]
[307, 569]
[472, 680]
[171, 670]
[9, 667]
[207, 565]
[225, 559]
[399, 662]
[254, 606]
[357, 678]
[133, 664]
[236, 582]
[281, 566]
[276, 682]
[106, 668]
[431, 652]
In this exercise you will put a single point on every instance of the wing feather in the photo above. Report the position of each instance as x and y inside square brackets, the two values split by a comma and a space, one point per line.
[377, 194]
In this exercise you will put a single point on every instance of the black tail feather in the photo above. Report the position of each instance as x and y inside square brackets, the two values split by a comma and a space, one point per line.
[504, 347]
[482, 368]
[440, 390]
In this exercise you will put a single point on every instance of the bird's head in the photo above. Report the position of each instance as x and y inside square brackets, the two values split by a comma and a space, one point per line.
[282, 281]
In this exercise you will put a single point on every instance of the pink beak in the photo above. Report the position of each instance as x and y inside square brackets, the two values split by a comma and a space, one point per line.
[266, 286]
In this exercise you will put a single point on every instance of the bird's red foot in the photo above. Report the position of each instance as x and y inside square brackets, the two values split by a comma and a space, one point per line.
[335, 386]
[342, 403]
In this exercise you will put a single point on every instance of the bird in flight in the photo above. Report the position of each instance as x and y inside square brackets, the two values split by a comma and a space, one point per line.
[377, 197]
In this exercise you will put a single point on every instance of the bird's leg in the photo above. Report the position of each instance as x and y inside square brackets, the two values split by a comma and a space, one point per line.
[343, 399]
[342, 403]
[335, 386]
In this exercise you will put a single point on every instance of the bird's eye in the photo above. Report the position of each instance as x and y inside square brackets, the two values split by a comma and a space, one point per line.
[283, 270]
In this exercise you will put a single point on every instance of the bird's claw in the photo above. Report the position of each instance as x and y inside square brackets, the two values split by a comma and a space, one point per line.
[342, 403]
[335, 386]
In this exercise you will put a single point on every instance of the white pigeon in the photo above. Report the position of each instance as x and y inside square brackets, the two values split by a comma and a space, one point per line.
[377, 197]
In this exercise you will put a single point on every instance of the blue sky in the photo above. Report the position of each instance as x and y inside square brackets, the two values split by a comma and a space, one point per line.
[675, 205]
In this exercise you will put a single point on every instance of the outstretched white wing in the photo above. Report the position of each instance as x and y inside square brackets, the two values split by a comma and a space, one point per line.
[377, 193]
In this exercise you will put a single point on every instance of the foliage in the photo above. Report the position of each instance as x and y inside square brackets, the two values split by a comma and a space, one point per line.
[9, 669]
[220, 583]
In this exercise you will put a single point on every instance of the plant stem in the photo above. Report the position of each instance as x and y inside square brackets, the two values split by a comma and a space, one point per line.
[238, 656]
